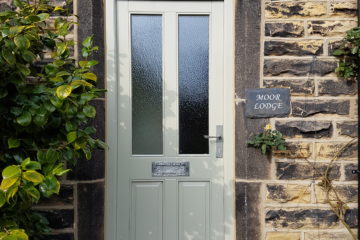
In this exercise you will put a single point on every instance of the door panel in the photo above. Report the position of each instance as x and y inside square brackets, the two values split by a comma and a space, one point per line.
[147, 205]
[170, 57]
[194, 211]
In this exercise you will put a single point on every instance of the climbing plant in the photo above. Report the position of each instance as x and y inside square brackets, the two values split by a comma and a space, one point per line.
[45, 104]
[348, 53]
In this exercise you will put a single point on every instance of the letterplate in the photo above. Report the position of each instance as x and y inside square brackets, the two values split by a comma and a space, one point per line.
[170, 169]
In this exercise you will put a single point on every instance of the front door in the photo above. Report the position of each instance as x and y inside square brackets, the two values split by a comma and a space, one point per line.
[170, 119]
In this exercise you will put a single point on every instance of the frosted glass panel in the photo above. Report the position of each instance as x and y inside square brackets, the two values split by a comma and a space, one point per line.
[193, 84]
[146, 70]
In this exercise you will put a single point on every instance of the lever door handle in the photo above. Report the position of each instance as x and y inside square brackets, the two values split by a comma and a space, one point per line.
[214, 137]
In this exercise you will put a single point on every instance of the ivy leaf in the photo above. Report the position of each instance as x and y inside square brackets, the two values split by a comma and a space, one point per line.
[27, 164]
[17, 234]
[33, 176]
[22, 42]
[88, 42]
[63, 91]
[23, 69]
[89, 111]
[11, 175]
[61, 48]
[28, 56]
[43, 16]
[13, 143]
[8, 56]
[49, 186]
[71, 136]
[33, 192]
[24, 119]
[2, 198]
[16, 30]
[56, 102]
[90, 76]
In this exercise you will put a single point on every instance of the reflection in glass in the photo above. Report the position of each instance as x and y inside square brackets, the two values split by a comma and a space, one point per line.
[193, 84]
[146, 72]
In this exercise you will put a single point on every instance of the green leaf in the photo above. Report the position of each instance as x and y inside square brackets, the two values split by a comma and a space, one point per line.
[22, 42]
[49, 186]
[59, 170]
[88, 42]
[43, 16]
[63, 91]
[12, 171]
[28, 56]
[16, 30]
[23, 69]
[40, 120]
[2, 198]
[27, 164]
[18, 3]
[89, 111]
[90, 76]
[56, 102]
[71, 136]
[61, 48]
[18, 234]
[13, 143]
[33, 176]
[33, 192]
[87, 153]
[78, 83]
[8, 56]
[24, 119]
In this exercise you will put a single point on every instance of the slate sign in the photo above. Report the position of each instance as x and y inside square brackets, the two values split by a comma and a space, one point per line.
[267, 102]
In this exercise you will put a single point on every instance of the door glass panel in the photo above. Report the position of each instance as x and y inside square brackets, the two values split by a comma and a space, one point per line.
[193, 84]
[146, 73]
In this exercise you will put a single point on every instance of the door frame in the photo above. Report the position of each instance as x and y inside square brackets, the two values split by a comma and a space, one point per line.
[111, 175]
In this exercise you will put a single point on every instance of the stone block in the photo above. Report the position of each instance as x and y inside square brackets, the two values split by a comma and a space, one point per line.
[91, 211]
[248, 213]
[62, 236]
[328, 235]
[298, 87]
[298, 67]
[341, 150]
[247, 45]
[347, 194]
[305, 171]
[349, 176]
[309, 107]
[330, 28]
[283, 236]
[343, 9]
[289, 193]
[293, 48]
[306, 218]
[333, 45]
[348, 128]
[336, 87]
[279, 10]
[59, 218]
[351, 217]
[65, 197]
[250, 163]
[305, 129]
[285, 29]
[295, 151]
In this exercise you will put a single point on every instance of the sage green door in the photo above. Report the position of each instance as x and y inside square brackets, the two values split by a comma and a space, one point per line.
[170, 92]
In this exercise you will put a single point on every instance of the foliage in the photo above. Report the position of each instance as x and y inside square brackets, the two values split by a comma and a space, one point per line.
[348, 54]
[44, 107]
[268, 140]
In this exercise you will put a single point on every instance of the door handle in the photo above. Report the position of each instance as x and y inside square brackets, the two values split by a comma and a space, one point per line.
[213, 137]
[219, 141]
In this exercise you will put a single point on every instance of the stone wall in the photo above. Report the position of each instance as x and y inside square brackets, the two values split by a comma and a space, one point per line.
[289, 43]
